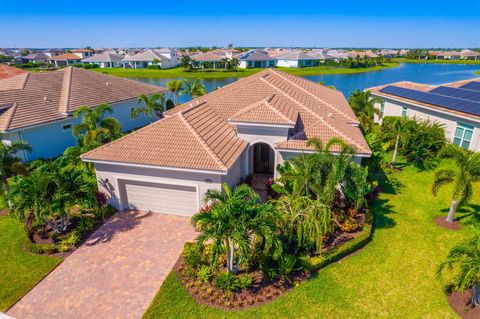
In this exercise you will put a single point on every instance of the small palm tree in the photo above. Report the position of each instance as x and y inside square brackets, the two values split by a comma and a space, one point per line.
[94, 128]
[175, 87]
[194, 89]
[234, 220]
[10, 164]
[468, 172]
[465, 258]
[363, 104]
[398, 126]
[153, 105]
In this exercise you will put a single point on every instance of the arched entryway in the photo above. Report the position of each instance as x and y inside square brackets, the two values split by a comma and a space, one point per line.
[263, 159]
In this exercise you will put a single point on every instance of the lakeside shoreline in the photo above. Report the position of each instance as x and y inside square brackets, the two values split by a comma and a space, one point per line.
[441, 61]
[180, 73]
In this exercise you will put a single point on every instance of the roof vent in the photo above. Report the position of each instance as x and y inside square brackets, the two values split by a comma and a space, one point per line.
[330, 115]
[107, 84]
[45, 99]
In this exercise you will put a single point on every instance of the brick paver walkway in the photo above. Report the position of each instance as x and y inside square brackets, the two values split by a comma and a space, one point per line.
[115, 274]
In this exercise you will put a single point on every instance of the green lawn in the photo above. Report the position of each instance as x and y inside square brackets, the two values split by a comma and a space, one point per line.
[393, 277]
[404, 60]
[180, 73]
[19, 271]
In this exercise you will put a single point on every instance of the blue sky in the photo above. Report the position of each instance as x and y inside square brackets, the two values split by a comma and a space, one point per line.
[406, 23]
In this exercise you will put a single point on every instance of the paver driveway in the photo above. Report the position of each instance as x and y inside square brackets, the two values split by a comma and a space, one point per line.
[115, 274]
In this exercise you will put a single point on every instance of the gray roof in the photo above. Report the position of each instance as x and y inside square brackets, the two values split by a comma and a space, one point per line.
[295, 56]
[256, 55]
[36, 56]
[104, 57]
[145, 56]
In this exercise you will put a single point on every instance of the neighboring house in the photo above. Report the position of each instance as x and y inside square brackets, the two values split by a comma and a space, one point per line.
[256, 59]
[455, 105]
[38, 57]
[37, 107]
[105, 60]
[65, 59]
[247, 127]
[388, 53]
[144, 59]
[53, 52]
[208, 60]
[297, 60]
[83, 53]
[226, 53]
[469, 55]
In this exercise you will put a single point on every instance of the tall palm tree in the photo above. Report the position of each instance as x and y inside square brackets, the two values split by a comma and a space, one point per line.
[465, 258]
[468, 172]
[152, 105]
[175, 87]
[10, 164]
[234, 220]
[194, 89]
[94, 128]
[363, 104]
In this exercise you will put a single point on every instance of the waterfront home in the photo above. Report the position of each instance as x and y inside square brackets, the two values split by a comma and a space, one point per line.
[362, 54]
[38, 57]
[65, 59]
[159, 58]
[247, 127]
[38, 107]
[388, 53]
[454, 105]
[297, 60]
[53, 52]
[83, 53]
[208, 60]
[256, 59]
[105, 60]
[226, 53]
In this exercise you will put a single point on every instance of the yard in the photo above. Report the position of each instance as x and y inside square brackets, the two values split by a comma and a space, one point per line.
[209, 74]
[19, 271]
[393, 277]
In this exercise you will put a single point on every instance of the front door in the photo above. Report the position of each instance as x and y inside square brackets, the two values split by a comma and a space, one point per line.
[262, 159]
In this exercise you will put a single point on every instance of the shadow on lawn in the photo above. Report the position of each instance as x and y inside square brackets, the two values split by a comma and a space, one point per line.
[467, 214]
[119, 222]
[390, 185]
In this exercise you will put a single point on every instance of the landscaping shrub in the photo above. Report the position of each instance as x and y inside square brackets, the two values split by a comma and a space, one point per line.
[286, 265]
[85, 225]
[204, 273]
[69, 241]
[229, 282]
[192, 255]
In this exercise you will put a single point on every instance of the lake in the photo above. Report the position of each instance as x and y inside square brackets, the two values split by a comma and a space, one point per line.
[422, 73]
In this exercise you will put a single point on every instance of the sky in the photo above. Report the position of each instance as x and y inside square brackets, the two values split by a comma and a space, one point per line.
[261, 23]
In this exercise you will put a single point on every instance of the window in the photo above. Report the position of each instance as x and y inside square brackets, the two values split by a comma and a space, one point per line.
[404, 111]
[67, 127]
[463, 135]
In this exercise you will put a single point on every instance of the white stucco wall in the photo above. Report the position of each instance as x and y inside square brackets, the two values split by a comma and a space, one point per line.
[447, 119]
[287, 63]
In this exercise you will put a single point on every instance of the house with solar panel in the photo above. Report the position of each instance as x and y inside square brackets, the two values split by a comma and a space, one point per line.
[455, 105]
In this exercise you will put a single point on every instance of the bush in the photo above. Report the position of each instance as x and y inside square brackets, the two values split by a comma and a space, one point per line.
[69, 241]
[154, 67]
[286, 265]
[85, 225]
[269, 272]
[192, 255]
[244, 281]
[204, 273]
[229, 282]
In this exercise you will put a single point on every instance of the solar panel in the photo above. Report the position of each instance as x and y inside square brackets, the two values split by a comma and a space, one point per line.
[449, 102]
[474, 85]
[464, 94]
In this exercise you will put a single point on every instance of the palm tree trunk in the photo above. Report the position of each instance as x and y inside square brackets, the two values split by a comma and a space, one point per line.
[451, 212]
[230, 256]
[394, 159]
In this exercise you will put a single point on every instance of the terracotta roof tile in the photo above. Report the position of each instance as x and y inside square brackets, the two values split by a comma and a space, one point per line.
[65, 56]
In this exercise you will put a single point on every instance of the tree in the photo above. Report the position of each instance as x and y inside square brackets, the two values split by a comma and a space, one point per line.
[175, 87]
[234, 219]
[398, 126]
[363, 104]
[187, 63]
[194, 89]
[468, 172]
[465, 258]
[153, 105]
[10, 164]
[94, 128]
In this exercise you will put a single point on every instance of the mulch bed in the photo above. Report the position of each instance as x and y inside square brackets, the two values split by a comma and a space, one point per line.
[442, 222]
[460, 302]
[260, 292]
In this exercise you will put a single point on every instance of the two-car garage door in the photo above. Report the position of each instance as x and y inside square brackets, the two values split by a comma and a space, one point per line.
[160, 198]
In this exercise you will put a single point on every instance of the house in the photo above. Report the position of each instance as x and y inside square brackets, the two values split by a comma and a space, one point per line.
[469, 55]
[38, 107]
[164, 60]
[226, 53]
[209, 60]
[454, 105]
[38, 57]
[297, 60]
[53, 52]
[247, 127]
[388, 53]
[83, 53]
[256, 59]
[105, 60]
[65, 59]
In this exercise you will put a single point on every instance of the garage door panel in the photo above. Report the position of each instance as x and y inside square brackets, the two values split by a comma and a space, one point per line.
[161, 198]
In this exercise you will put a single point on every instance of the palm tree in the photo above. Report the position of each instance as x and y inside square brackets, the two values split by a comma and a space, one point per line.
[187, 62]
[363, 104]
[233, 221]
[94, 128]
[152, 105]
[398, 126]
[465, 258]
[175, 87]
[10, 164]
[194, 89]
[468, 172]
